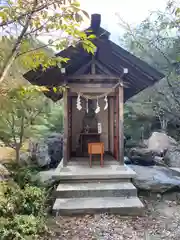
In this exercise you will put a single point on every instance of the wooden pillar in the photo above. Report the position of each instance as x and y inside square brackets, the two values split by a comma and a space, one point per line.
[117, 124]
[109, 126]
[121, 127]
[65, 139]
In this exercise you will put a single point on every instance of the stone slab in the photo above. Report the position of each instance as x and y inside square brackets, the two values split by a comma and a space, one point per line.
[116, 205]
[98, 189]
[94, 186]
[96, 172]
[175, 169]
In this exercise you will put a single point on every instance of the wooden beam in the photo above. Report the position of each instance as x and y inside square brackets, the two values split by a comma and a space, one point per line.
[92, 85]
[103, 68]
[94, 77]
[65, 138]
[74, 94]
[82, 69]
[93, 67]
[121, 127]
[80, 81]
[90, 90]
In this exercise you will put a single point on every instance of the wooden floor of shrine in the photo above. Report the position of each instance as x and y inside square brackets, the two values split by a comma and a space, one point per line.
[108, 160]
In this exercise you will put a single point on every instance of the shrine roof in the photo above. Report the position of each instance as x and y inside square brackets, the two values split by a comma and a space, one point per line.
[110, 55]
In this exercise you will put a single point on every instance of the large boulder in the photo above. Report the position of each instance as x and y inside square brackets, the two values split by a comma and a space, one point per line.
[141, 156]
[46, 152]
[172, 157]
[160, 142]
[39, 153]
[155, 178]
[55, 148]
[42, 155]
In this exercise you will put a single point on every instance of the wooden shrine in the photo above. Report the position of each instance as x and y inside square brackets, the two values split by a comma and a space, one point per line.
[98, 86]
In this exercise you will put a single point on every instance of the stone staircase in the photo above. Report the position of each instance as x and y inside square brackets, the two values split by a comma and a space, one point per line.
[91, 193]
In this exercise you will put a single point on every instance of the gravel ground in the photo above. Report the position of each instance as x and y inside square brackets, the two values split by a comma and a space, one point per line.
[161, 221]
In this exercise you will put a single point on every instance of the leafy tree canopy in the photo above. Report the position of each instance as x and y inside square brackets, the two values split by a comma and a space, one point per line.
[22, 21]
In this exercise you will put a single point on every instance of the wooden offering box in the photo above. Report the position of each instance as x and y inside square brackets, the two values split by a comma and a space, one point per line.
[96, 148]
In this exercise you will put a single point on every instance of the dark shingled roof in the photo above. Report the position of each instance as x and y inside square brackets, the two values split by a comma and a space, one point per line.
[110, 55]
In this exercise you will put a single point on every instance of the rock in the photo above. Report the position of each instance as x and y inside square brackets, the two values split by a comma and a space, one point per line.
[127, 160]
[42, 155]
[172, 157]
[141, 156]
[155, 178]
[159, 161]
[25, 157]
[46, 152]
[145, 143]
[39, 153]
[160, 142]
[4, 173]
[55, 148]
[45, 177]
[172, 196]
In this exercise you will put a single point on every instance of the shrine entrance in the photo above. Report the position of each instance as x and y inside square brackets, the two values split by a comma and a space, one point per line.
[85, 127]
[92, 116]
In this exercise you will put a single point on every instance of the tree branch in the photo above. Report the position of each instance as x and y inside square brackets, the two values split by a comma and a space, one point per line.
[35, 10]
[7, 64]
[34, 49]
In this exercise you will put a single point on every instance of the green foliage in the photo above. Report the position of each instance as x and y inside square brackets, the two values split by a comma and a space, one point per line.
[136, 125]
[29, 200]
[18, 113]
[24, 175]
[21, 227]
[22, 207]
[55, 118]
[156, 41]
[50, 20]
[27, 113]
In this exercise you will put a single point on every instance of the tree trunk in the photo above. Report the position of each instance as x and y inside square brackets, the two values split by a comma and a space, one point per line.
[17, 154]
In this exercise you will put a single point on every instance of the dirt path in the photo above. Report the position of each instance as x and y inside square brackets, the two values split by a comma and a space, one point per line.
[161, 221]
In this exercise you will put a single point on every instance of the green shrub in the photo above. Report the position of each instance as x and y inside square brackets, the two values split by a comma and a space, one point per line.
[30, 200]
[22, 207]
[34, 199]
[25, 175]
[10, 199]
[21, 227]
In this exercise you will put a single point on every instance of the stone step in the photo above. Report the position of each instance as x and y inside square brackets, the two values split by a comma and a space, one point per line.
[70, 181]
[98, 189]
[116, 205]
[95, 173]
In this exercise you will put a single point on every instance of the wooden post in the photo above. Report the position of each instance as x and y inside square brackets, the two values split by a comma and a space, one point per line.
[65, 139]
[93, 67]
[109, 126]
[121, 127]
[117, 124]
